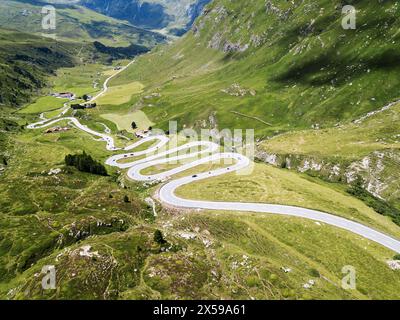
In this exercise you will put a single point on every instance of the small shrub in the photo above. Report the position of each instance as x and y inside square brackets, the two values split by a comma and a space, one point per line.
[159, 238]
[253, 281]
[314, 273]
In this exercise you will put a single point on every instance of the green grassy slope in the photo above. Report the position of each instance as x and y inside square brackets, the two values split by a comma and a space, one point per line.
[369, 149]
[48, 219]
[74, 23]
[26, 61]
[351, 141]
[293, 63]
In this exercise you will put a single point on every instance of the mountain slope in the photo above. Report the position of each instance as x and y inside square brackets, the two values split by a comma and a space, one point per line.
[75, 23]
[25, 61]
[290, 65]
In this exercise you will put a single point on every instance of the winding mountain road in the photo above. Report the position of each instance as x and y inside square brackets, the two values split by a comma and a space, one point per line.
[105, 84]
[167, 192]
[209, 152]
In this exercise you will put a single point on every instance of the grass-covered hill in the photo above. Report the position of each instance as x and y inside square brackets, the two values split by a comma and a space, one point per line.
[74, 23]
[286, 64]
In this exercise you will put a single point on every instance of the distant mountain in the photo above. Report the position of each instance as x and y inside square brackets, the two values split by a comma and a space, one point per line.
[195, 10]
[75, 23]
[174, 16]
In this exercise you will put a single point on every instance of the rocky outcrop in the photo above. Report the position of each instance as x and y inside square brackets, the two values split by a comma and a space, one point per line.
[237, 91]
[377, 170]
[219, 42]
[272, 9]
[235, 47]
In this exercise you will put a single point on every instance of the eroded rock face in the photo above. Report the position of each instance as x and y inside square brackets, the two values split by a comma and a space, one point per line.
[377, 170]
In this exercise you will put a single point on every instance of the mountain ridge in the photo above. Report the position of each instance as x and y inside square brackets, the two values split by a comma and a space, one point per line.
[176, 16]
